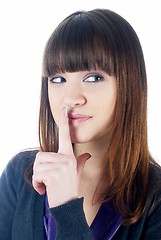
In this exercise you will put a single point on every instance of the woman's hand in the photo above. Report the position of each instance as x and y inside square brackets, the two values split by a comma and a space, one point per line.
[58, 174]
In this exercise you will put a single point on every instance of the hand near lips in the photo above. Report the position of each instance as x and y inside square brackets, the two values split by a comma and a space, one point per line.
[58, 174]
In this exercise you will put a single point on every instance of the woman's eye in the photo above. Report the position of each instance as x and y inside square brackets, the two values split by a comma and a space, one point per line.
[94, 78]
[58, 80]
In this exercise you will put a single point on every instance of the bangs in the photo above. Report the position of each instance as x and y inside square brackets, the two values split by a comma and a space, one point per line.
[78, 44]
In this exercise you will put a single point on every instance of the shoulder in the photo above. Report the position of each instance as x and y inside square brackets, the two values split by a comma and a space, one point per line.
[22, 160]
[154, 186]
[12, 180]
[153, 217]
[15, 169]
[154, 177]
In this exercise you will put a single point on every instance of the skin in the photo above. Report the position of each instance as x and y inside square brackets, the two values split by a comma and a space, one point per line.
[67, 175]
[59, 173]
[89, 93]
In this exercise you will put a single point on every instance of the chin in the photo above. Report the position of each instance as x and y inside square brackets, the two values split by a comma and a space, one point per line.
[79, 139]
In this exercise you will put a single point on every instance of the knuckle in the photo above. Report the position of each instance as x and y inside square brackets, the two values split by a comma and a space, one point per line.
[38, 154]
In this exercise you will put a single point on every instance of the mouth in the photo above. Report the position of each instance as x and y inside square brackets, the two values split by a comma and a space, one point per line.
[77, 119]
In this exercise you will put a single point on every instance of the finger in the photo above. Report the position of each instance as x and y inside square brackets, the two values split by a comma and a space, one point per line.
[65, 145]
[47, 157]
[38, 185]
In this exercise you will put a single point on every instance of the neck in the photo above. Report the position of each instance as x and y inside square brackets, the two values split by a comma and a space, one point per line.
[97, 150]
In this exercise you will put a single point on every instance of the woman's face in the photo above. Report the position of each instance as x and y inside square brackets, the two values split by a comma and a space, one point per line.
[90, 98]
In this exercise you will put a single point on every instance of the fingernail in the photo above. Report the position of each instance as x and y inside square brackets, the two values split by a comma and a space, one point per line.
[65, 111]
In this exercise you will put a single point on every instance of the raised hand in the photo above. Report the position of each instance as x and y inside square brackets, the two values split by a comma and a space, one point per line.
[58, 174]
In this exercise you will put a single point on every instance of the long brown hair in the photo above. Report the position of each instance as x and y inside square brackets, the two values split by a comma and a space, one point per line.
[102, 38]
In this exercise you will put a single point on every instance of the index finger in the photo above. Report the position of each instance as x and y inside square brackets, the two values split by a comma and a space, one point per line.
[65, 144]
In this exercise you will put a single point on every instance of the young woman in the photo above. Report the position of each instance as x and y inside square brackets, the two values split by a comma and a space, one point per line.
[93, 176]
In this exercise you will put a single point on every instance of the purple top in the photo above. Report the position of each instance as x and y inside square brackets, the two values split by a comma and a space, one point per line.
[104, 226]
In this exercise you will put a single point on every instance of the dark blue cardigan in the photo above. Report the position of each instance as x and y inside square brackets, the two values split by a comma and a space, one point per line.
[22, 211]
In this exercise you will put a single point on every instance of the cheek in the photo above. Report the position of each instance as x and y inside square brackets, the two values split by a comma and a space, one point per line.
[107, 100]
[107, 107]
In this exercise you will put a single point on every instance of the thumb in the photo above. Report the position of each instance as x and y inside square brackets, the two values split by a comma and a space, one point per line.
[81, 160]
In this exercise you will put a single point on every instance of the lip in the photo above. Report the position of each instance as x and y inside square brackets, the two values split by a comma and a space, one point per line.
[76, 119]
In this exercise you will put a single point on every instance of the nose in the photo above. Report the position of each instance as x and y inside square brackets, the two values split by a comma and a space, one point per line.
[74, 96]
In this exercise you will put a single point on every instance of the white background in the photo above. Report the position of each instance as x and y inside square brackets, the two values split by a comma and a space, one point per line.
[24, 29]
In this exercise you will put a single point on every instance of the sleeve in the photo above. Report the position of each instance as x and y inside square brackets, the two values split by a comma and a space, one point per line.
[71, 221]
[11, 182]
[8, 199]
